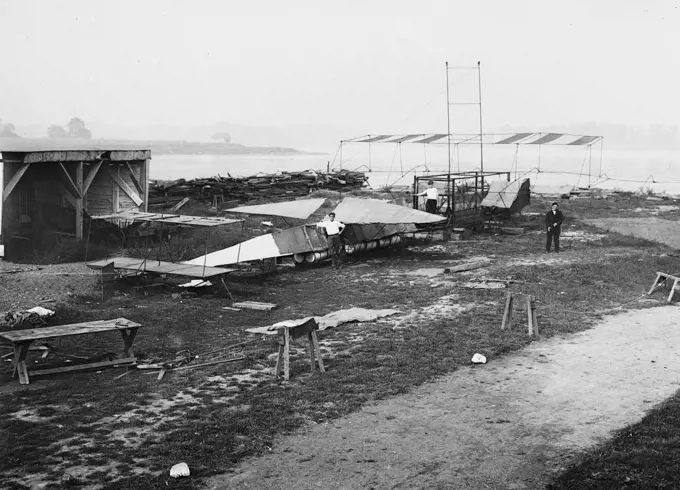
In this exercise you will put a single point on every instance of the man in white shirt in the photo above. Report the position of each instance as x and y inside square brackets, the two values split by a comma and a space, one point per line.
[333, 229]
[432, 198]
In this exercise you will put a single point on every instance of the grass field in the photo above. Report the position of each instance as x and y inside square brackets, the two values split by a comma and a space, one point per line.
[644, 455]
[95, 428]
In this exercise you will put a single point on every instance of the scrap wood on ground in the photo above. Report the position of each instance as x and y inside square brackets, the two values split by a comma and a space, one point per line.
[243, 189]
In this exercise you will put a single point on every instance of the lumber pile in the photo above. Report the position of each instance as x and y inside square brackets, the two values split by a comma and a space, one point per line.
[238, 190]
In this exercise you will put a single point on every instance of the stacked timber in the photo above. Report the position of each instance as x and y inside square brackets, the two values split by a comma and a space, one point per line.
[238, 190]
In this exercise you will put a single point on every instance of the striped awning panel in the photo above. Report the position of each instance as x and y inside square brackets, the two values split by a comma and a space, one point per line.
[431, 139]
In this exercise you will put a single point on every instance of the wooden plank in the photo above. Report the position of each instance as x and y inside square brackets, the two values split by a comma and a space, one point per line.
[311, 351]
[126, 188]
[69, 197]
[301, 330]
[116, 192]
[468, 266]
[94, 169]
[530, 314]
[512, 230]
[20, 353]
[286, 354]
[67, 330]
[134, 180]
[255, 306]
[14, 181]
[315, 340]
[108, 282]
[73, 188]
[129, 155]
[180, 204]
[61, 156]
[82, 367]
[656, 281]
[79, 201]
[675, 284]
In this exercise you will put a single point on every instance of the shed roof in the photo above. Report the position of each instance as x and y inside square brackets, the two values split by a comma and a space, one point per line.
[47, 151]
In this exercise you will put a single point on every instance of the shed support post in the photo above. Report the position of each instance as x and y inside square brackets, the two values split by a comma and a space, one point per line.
[145, 184]
[79, 201]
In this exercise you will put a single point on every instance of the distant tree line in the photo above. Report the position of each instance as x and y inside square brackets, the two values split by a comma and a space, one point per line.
[74, 129]
[7, 130]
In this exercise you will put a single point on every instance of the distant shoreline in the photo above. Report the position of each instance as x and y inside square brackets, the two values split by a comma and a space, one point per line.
[196, 148]
[157, 147]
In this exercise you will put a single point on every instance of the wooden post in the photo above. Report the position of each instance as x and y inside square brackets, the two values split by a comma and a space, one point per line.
[311, 351]
[530, 316]
[507, 313]
[145, 184]
[279, 358]
[315, 340]
[675, 284]
[286, 354]
[535, 317]
[115, 189]
[20, 353]
[531, 313]
[79, 201]
[651, 290]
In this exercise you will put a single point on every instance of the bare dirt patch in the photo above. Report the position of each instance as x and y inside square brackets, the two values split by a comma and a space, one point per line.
[511, 423]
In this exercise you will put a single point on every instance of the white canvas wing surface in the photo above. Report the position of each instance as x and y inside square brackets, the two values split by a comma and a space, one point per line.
[301, 209]
[367, 211]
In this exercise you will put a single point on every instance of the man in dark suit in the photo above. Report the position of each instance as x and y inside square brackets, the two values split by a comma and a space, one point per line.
[553, 224]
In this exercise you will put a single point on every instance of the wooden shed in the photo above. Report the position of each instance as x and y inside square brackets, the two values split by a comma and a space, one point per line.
[49, 194]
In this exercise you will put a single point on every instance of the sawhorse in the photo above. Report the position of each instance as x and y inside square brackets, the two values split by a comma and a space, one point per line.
[662, 277]
[309, 329]
[531, 314]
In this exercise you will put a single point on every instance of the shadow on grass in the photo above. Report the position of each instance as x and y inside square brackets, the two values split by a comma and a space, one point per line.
[642, 456]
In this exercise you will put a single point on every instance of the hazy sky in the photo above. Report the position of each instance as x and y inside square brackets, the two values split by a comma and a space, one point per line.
[377, 64]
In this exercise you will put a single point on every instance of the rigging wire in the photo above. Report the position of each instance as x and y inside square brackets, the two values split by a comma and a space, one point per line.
[394, 155]
[583, 164]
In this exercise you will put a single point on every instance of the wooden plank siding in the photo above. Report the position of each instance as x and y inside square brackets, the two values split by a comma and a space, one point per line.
[99, 197]
[104, 192]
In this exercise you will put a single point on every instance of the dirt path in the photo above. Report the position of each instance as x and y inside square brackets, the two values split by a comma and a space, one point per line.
[511, 423]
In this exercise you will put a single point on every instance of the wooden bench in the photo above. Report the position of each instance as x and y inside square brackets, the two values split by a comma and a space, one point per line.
[22, 339]
[662, 277]
[309, 329]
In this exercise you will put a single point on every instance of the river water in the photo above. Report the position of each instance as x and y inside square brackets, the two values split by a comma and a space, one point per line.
[611, 169]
